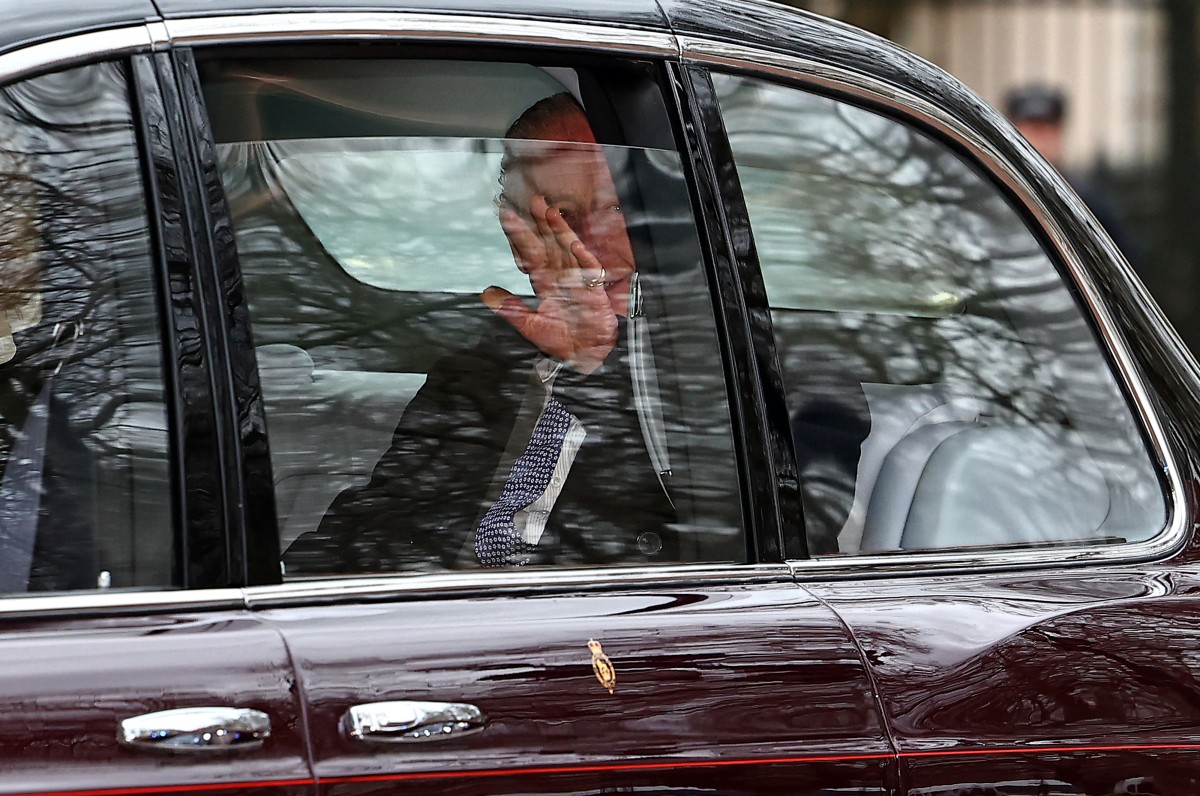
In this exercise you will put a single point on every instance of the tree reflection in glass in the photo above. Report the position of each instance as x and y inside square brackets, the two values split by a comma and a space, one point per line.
[896, 268]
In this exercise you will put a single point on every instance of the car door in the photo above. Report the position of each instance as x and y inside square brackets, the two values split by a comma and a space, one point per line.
[1009, 540]
[128, 662]
[650, 638]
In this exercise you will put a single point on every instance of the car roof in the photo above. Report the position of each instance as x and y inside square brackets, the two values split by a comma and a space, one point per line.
[754, 22]
[29, 23]
[757, 23]
[783, 29]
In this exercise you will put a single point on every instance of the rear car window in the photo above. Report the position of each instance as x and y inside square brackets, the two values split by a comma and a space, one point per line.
[945, 389]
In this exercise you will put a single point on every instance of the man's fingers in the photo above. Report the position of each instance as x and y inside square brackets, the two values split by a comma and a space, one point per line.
[592, 269]
[587, 281]
[527, 247]
[537, 205]
[539, 210]
[501, 302]
[529, 252]
[550, 222]
[512, 309]
[586, 301]
[564, 236]
[542, 329]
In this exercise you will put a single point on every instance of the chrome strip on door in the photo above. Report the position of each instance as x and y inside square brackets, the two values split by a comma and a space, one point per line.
[512, 581]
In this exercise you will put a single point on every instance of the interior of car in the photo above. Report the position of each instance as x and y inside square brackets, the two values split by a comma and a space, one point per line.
[912, 305]
[367, 230]
[930, 376]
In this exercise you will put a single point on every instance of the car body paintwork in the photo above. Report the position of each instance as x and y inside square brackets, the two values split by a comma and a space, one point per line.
[68, 683]
[1082, 678]
[699, 700]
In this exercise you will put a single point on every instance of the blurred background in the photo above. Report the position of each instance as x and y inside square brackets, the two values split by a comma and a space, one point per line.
[1106, 89]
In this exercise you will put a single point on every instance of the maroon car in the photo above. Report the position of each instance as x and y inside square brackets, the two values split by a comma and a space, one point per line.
[495, 397]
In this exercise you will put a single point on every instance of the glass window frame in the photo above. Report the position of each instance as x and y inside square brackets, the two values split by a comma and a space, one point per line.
[893, 103]
[759, 502]
[153, 158]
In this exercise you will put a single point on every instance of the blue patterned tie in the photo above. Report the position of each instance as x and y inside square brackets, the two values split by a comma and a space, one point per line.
[498, 543]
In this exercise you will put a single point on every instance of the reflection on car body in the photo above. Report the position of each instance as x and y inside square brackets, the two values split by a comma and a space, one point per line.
[869, 477]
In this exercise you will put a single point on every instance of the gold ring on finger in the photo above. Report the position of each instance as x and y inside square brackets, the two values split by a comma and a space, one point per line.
[597, 282]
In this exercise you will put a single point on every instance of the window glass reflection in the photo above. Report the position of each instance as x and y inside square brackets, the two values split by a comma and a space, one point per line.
[84, 485]
[492, 349]
[945, 389]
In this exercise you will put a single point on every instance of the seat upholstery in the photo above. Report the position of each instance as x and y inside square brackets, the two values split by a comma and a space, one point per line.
[328, 430]
[896, 411]
[954, 483]
[1006, 485]
[900, 473]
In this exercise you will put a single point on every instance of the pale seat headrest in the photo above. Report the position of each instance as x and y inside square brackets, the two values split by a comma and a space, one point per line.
[1007, 485]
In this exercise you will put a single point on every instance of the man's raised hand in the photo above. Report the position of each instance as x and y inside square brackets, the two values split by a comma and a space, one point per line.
[574, 319]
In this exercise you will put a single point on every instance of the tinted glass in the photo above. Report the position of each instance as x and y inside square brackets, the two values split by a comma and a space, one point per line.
[944, 387]
[454, 376]
[84, 487]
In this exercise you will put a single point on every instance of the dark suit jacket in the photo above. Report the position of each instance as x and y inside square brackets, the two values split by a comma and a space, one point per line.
[430, 489]
[443, 470]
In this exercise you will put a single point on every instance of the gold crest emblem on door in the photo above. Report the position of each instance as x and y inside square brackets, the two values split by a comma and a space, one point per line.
[602, 666]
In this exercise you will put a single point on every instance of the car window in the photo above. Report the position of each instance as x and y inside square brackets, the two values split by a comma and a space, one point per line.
[85, 492]
[480, 320]
[944, 388]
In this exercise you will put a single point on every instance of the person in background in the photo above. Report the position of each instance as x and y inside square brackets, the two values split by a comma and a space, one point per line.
[1040, 114]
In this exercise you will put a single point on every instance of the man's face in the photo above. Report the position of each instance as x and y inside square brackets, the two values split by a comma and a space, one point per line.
[575, 179]
[1046, 137]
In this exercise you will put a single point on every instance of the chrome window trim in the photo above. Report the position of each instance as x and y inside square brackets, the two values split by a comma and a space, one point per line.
[398, 586]
[159, 38]
[769, 64]
[72, 50]
[83, 604]
[523, 581]
[374, 26]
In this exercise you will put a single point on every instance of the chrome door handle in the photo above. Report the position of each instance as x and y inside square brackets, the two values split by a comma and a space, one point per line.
[393, 722]
[208, 729]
